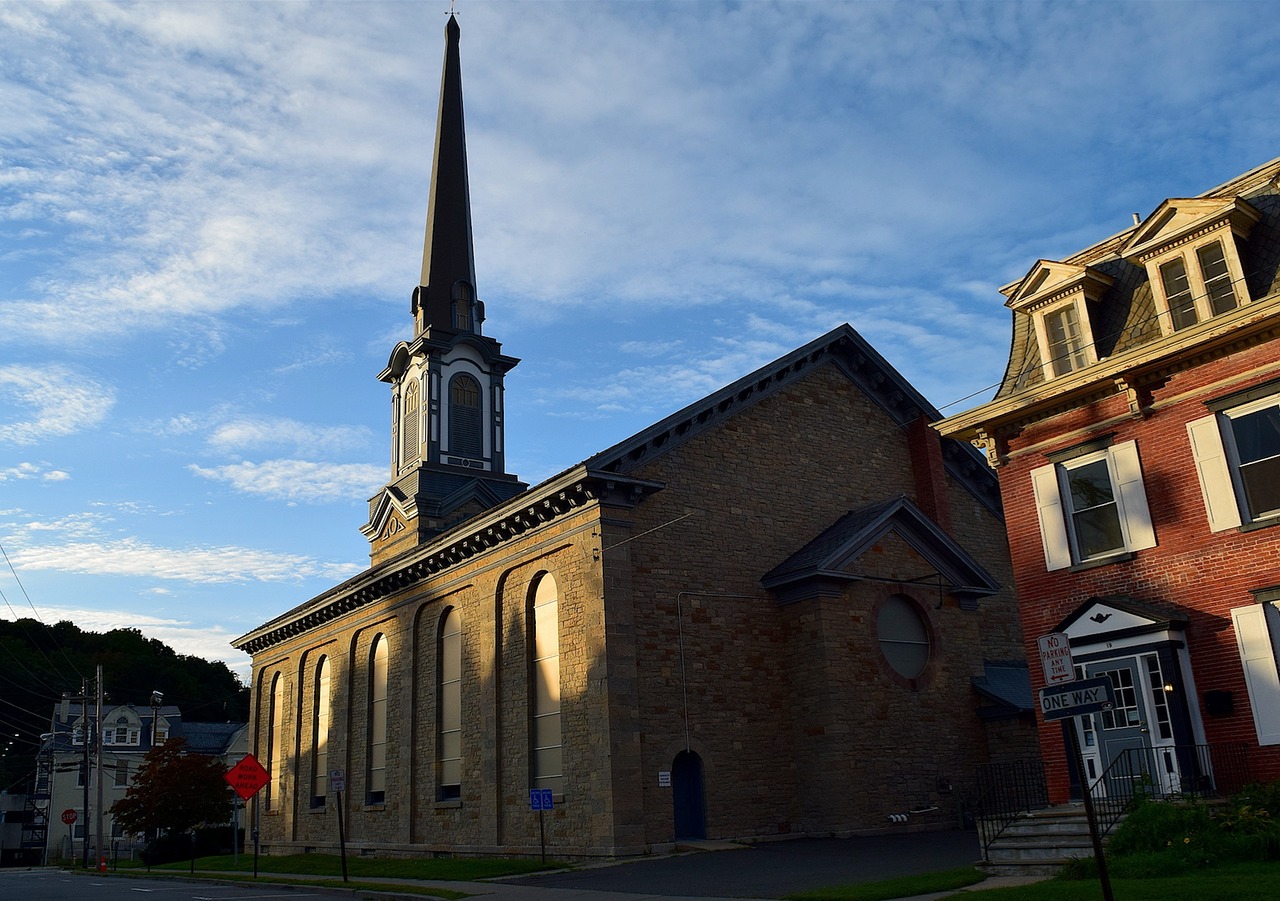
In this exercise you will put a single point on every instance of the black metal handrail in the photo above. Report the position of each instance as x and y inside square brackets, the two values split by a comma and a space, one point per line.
[1007, 791]
[1173, 772]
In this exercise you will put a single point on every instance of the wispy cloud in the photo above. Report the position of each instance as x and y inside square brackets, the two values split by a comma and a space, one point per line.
[263, 432]
[302, 481]
[197, 565]
[57, 400]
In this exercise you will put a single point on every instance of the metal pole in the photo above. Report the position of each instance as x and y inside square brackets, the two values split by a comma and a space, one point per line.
[1087, 793]
[342, 837]
[235, 833]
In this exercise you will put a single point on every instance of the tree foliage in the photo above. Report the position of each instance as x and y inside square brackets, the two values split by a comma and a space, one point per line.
[174, 792]
[38, 663]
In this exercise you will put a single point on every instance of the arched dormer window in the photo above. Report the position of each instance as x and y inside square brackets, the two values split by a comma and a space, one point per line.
[410, 419]
[465, 439]
[376, 775]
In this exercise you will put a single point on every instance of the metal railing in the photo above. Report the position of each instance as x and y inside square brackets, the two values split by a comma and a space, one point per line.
[1176, 772]
[1007, 791]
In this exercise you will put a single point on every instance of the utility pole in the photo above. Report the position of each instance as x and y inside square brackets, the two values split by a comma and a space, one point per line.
[97, 745]
[84, 738]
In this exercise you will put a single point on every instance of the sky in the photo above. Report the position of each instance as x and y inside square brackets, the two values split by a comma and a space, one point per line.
[211, 223]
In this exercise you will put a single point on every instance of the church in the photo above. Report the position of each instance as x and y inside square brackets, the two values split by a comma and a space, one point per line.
[785, 609]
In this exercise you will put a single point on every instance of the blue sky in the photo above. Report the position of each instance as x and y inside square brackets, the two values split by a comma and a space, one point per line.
[211, 220]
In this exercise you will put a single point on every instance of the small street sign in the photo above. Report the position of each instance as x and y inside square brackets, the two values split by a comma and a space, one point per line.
[1076, 698]
[664, 778]
[1055, 658]
[540, 799]
[247, 777]
[338, 780]
[68, 816]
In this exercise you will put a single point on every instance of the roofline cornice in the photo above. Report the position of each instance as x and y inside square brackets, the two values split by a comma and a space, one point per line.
[1242, 327]
[554, 499]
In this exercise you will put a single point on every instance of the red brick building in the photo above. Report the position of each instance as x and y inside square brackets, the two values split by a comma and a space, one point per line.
[1136, 434]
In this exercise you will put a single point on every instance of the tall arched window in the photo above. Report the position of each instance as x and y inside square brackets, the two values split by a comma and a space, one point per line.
[449, 704]
[409, 423]
[462, 313]
[547, 769]
[275, 742]
[465, 438]
[320, 736]
[377, 759]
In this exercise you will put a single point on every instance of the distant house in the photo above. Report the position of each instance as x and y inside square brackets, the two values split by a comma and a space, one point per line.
[1136, 434]
[785, 609]
[67, 768]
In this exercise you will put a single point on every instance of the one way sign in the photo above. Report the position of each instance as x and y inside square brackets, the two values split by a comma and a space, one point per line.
[1085, 696]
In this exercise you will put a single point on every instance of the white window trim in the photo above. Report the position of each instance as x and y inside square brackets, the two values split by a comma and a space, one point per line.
[1131, 504]
[1195, 277]
[1253, 625]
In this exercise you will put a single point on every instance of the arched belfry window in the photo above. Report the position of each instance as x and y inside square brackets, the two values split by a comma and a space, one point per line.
[547, 757]
[464, 417]
[376, 773]
[449, 704]
[320, 735]
[410, 420]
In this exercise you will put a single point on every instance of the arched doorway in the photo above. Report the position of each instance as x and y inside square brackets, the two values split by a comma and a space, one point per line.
[686, 792]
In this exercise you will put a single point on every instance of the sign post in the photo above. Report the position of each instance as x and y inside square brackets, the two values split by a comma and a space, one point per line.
[1066, 702]
[541, 801]
[247, 779]
[338, 782]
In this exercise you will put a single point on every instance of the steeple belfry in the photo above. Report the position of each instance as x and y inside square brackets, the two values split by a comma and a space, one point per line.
[448, 255]
[447, 417]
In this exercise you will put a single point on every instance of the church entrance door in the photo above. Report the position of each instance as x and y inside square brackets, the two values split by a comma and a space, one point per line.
[688, 797]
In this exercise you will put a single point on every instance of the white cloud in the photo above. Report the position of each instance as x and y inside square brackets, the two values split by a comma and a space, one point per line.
[299, 480]
[59, 401]
[198, 565]
[260, 431]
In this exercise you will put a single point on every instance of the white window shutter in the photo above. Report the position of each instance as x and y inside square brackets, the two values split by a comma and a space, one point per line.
[1053, 527]
[1133, 496]
[1259, 661]
[1214, 473]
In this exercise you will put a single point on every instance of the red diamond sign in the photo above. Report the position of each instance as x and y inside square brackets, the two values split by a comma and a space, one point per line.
[247, 777]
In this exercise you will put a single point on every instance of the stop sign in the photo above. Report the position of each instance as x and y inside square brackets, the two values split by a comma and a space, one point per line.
[68, 816]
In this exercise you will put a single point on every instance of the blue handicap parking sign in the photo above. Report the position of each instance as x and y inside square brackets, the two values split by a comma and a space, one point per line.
[540, 799]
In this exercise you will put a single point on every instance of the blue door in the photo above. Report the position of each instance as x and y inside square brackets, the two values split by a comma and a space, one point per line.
[686, 791]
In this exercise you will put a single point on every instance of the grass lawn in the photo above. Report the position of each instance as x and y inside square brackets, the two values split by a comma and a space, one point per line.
[902, 887]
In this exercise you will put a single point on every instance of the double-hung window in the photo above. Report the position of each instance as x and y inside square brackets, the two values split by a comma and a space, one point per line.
[1237, 455]
[1092, 504]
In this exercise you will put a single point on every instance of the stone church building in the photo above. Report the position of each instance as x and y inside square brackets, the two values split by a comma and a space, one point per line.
[784, 609]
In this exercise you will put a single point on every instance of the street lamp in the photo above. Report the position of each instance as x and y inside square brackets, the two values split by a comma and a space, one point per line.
[157, 701]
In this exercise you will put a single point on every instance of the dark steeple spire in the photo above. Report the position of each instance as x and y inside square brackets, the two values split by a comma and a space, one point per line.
[448, 259]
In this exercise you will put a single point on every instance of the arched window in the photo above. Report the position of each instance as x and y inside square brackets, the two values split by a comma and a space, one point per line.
[449, 705]
[462, 312]
[410, 420]
[320, 736]
[275, 742]
[377, 759]
[464, 417]
[904, 636]
[544, 643]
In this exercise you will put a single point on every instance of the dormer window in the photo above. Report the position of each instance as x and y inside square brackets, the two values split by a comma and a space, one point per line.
[1056, 296]
[1189, 249]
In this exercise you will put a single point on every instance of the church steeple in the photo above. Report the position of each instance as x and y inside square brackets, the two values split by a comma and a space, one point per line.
[447, 287]
[448, 454]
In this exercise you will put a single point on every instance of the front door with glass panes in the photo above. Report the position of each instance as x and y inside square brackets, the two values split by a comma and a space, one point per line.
[1132, 742]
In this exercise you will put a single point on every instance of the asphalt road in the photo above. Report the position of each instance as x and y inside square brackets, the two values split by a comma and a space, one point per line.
[776, 868]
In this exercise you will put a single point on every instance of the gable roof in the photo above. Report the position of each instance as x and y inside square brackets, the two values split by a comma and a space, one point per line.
[830, 555]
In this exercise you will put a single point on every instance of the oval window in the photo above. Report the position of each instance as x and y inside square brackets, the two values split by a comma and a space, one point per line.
[904, 637]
